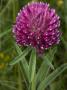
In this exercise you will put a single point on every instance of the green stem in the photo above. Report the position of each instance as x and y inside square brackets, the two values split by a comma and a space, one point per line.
[32, 84]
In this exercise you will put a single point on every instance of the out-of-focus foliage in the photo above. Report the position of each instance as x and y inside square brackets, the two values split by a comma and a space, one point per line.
[10, 77]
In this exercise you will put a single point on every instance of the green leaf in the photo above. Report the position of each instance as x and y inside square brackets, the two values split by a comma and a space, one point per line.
[21, 56]
[64, 42]
[32, 70]
[6, 7]
[15, 7]
[19, 51]
[4, 33]
[11, 86]
[44, 68]
[25, 68]
[32, 64]
[33, 83]
[41, 72]
[65, 6]
[48, 62]
[20, 85]
[48, 80]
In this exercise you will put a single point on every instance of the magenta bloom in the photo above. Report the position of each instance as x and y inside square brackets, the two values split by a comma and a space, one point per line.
[37, 25]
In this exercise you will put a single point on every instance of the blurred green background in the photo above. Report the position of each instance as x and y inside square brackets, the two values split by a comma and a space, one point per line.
[10, 78]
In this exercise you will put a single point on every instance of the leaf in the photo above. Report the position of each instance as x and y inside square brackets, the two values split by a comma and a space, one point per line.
[32, 64]
[11, 86]
[41, 72]
[19, 51]
[25, 68]
[21, 56]
[65, 6]
[33, 84]
[4, 33]
[48, 80]
[22, 60]
[6, 7]
[25, 78]
[8, 81]
[44, 68]
[64, 42]
[15, 7]
[32, 70]
[20, 85]
[48, 62]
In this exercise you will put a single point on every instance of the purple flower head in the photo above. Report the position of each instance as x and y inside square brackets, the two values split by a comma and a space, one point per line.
[37, 26]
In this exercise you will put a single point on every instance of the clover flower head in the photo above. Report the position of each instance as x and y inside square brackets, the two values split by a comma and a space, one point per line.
[37, 25]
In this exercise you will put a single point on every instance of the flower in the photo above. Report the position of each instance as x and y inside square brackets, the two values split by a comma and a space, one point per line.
[37, 25]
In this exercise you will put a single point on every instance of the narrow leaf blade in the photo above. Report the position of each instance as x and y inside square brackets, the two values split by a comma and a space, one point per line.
[32, 64]
[44, 68]
[47, 81]
[20, 57]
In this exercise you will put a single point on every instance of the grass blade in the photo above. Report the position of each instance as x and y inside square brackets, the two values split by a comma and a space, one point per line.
[4, 33]
[20, 57]
[23, 63]
[25, 68]
[44, 68]
[32, 64]
[64, 42]
[47, 81]
[48, 62]
[7, 85]
[32, 70]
